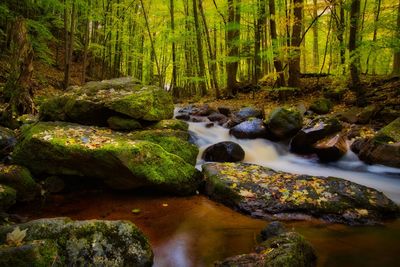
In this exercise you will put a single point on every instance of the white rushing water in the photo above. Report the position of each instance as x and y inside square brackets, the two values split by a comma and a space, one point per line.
[276, 156]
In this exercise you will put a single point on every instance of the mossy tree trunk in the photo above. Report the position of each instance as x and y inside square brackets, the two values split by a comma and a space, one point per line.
[18, 85]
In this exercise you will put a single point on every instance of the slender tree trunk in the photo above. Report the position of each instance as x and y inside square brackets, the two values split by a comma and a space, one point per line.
[69, 47]
[202, 84]
[354, 55]
[274, 36]
[85, 49]
[233, 38]
[396, 59]
[294, 61]
[175, 91]
[212, 53]
[315, 37]
[258, 29]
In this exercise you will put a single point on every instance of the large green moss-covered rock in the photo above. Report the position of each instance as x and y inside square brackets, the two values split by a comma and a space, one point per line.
[63, 242]
[122, 161]
[20, 179]
[265, 193]
[284, 123]
[321, 106]
[95, 102]
[384, 148]
[170, 124]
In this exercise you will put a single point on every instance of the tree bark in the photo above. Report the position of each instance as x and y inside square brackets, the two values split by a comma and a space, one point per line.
[202, 84]
[294, 61]
[396, 59]
[354, 83]
[274, 36]
[19, 81]
[315, 38]
[69, 46]
[175, 90]
[213, 58]
[233, 38]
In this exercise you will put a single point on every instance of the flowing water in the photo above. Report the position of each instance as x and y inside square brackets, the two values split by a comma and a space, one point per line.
[194, 231]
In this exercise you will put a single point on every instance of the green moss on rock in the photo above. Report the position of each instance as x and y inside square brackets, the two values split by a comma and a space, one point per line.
[123, 124]
[321, 106]
[170, 124]
[262, 192]
[122, 161]
[78, 243]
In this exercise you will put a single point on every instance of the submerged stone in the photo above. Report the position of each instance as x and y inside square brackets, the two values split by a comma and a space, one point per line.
[63, 242]
[95, 102]
[121, 161]
[265, 193]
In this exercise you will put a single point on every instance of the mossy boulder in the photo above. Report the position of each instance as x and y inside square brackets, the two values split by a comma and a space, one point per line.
[19, 178]
[284, 123]
[321, 106]
[384, 148]
[8, 197]
[77, 243]
[123, 124]
[121, 161]
[285, 249]
[264, 193]
[95, 102]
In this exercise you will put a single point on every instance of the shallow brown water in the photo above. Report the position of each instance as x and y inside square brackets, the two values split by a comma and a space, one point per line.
[194, 231]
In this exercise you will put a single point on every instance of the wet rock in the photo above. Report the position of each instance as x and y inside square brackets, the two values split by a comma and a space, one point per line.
[224, 110]
[95, 102]
[285, 249]
[8, 197]
[184, 117]
[121, 161]
[218, 117]
[331, 148]
[198, 119]
[321, 106]
[384, 148]
[317, 129]
[7, 141]
[250, 129]
[249, 112]
[64, 242]
[204, 110]
[224, 152]
[210, 125]
[358, 144]
[265, 193]
[123, 124]
[284, 123]
[20, 179]
[232, 122]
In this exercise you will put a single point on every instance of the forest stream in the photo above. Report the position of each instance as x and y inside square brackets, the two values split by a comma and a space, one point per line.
[195, 231]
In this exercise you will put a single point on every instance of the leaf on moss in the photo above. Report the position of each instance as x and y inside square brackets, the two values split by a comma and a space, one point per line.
[16, 237]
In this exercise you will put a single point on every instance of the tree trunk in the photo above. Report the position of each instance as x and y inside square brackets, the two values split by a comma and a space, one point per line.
[233, 38]
[19, 81]
[315, 38]
[85, 49]
[274, 36]
[202, 84]
[258, 29]
[213, 58]
[354, 55]
[69, 45]
[396, 59]
[175, 91]
[294, 61]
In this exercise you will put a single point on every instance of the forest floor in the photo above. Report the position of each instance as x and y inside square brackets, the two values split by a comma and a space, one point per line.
[380, 90]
